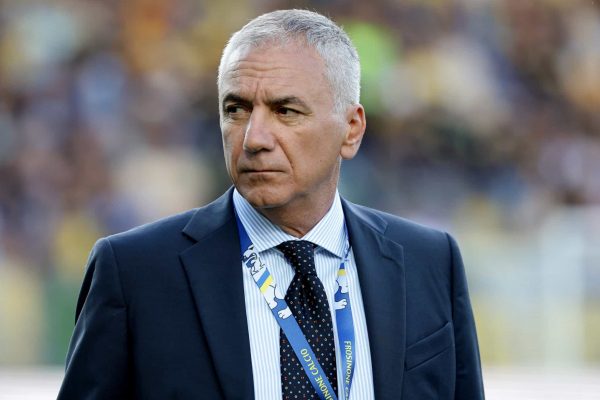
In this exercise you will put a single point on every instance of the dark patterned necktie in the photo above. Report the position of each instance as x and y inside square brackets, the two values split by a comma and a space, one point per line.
[307, 299]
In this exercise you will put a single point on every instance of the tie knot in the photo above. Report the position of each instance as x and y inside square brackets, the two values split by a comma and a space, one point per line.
[300, 253]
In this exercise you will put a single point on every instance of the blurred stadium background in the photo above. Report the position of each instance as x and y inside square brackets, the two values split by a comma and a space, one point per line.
[483, 120]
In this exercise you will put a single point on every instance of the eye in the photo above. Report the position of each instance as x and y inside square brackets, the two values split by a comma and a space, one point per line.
[232, 109]
[235, 110]
[287, 112]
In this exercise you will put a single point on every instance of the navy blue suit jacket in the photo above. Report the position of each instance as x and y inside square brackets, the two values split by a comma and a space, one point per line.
[161, 312]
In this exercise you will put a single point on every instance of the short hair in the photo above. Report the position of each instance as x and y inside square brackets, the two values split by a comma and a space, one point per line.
[342, 65]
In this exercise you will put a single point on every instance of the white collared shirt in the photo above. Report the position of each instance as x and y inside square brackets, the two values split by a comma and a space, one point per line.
[329, 235]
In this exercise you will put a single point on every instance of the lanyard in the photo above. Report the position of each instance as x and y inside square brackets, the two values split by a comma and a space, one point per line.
[282, 313]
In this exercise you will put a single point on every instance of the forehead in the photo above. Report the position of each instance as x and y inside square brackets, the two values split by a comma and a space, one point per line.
[273, 67]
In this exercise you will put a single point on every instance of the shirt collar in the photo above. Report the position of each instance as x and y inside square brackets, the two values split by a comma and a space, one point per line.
[329, 233]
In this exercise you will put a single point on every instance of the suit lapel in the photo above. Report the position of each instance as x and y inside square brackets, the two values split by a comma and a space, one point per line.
[214, 272]
[380, 268]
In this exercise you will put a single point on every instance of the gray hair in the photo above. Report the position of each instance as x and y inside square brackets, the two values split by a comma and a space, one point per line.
[342, 65]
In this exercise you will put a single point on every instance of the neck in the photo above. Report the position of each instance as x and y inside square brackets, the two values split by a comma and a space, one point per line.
[298, 220]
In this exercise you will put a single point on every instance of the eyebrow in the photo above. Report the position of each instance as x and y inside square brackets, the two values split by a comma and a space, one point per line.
[287, 100]
[276, 102]
[234, 98]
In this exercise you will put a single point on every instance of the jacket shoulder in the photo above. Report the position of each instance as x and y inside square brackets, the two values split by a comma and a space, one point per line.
[164, 229]
[398, 229]
[173, 234]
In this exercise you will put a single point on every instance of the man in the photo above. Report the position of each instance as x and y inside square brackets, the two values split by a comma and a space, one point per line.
[280, 288]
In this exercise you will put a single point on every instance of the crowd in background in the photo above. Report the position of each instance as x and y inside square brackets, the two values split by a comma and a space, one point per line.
[483, 118]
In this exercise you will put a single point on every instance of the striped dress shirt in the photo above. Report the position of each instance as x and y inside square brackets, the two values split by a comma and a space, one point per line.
[329, 235]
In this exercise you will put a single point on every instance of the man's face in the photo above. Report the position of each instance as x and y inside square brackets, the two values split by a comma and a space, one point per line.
[282, 140]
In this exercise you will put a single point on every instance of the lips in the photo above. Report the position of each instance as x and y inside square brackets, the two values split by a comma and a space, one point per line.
[257, 170]
[260, 173]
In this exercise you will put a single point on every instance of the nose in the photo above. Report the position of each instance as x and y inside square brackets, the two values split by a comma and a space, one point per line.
[259, 134]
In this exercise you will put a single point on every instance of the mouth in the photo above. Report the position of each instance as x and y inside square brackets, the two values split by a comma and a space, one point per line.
[260, 175]
[258, 171]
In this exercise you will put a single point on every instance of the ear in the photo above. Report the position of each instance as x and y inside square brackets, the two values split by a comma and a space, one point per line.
[356, 124]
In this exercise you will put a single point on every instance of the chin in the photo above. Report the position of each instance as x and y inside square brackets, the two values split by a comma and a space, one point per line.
[262, 197]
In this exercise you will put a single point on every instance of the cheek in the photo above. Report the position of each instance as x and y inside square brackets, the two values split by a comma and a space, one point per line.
[230, 149]
[324, 148]
[315, 159]
[232, 137]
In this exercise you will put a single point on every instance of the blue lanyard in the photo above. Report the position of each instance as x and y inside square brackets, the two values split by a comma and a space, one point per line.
[345, 326]
[282, 313]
